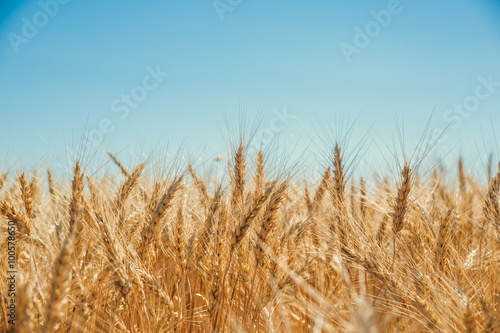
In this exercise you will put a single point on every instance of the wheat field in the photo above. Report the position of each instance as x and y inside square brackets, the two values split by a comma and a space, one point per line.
[146, 251]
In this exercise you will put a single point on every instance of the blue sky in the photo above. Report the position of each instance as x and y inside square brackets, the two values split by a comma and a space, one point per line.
[225, 57]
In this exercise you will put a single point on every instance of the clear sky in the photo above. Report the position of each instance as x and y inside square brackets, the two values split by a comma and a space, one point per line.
[142, 74]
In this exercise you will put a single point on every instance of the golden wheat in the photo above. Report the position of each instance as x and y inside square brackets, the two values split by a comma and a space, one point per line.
[168, 253]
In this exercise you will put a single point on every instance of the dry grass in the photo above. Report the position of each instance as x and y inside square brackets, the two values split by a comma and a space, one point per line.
[184, 253]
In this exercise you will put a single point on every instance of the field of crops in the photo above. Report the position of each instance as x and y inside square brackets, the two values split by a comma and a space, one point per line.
[147, 251]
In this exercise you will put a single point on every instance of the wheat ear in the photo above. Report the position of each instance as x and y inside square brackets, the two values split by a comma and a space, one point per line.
[402, 200]
[52, 190]
[362, 200]
[338, 223]
[164, 204]
[338, 193]
[10, 212]
[76, 197]
[123, 170]
[200, 184]
[128, 185]
[269, 221]
[3, 180]
[260, 174]
[401, 206]
[245, 223]
[26, 195]
[442, 242]
[239, 177]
